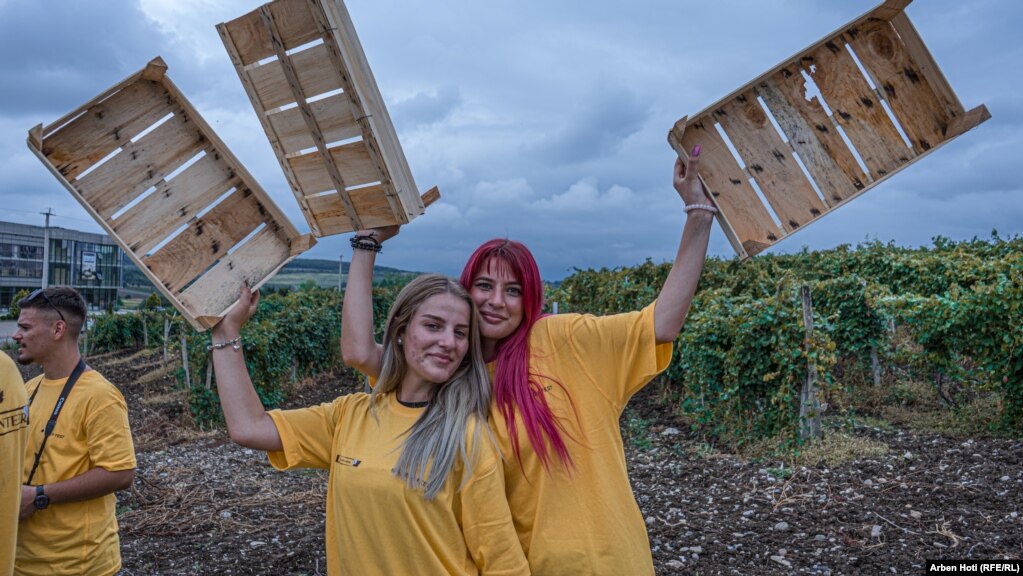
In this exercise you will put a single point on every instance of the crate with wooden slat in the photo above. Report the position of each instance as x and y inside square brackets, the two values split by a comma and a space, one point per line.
[155, 176]
[307, 76]
[823, 127]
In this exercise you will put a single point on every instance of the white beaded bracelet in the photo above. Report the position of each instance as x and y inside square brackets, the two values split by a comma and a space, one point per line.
[706, 207]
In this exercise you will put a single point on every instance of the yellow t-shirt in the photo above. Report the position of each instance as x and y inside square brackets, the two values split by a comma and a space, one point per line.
[586, 523]
[376, 525]
[92, 431]
[13, 434]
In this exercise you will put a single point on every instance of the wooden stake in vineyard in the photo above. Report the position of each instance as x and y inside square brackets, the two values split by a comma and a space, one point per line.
[809, 399]
[166, 334]
[184, 359]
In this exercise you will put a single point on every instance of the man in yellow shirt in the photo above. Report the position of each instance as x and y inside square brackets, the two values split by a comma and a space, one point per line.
[13, 433]
[79, 449]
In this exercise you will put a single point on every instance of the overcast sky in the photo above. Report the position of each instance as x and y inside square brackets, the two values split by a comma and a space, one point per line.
[539, 121]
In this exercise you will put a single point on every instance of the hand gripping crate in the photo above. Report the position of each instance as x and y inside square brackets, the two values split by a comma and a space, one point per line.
[883, 104]
[305, 72]
[155, 176]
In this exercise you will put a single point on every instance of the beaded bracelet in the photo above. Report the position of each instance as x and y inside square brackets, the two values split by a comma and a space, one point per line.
[235, 344]
[706, 207]
[366, 242]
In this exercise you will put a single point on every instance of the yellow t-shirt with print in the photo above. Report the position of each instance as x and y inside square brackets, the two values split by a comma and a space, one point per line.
[13, 434]
[92, 431]
[376, 524]
[586, 522]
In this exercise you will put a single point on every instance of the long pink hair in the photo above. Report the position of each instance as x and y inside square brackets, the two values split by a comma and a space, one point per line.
[514, 385]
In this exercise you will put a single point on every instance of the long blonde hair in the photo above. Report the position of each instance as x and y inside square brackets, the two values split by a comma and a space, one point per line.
[438, 438]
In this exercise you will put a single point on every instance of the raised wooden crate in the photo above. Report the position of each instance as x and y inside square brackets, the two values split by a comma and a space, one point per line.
[155, 176]
[305, 72]
[845, 137]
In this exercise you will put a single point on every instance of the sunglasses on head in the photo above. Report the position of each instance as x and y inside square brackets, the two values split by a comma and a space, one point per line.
[42, 292]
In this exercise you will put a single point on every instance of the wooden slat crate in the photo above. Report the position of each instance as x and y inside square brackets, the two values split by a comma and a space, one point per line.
[155, 176]
[305, 72]
[880, 104]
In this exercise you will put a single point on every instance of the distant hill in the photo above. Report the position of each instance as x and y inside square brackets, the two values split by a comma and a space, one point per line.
[323, 273]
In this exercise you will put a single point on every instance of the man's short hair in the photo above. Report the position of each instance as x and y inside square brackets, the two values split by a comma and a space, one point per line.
[62, 301]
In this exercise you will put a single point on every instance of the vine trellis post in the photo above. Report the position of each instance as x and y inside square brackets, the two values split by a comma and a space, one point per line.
[809, 397]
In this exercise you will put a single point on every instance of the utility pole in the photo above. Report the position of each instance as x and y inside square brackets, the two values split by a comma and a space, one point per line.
[340, 270]
[46, 248]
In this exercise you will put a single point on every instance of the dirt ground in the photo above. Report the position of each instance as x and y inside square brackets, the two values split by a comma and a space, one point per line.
[202, 505]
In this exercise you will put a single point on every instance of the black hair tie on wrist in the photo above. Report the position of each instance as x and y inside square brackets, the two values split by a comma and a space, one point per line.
[366, 242]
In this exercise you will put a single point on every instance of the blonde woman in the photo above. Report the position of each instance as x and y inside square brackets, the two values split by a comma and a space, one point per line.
[416, 485]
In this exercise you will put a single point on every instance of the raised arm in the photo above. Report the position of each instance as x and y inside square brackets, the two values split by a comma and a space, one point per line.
[247, 420]
[359, 348]
[677, 293]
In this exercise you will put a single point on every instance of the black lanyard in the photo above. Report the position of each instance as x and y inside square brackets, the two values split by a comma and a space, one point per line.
[56, 412]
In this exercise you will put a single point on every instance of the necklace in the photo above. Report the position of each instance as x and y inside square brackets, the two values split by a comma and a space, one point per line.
[421, 404]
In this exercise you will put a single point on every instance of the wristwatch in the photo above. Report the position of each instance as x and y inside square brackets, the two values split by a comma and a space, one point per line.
[42, 500]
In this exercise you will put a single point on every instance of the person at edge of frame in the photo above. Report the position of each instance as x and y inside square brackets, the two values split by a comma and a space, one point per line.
[79, 450]
[13, 435]
[561, 383]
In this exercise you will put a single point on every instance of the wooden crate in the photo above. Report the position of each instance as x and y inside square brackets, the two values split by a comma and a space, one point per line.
[305, 72]
[823, 154]
[155, 176]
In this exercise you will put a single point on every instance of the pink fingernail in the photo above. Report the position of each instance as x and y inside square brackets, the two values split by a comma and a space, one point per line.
[696, 150]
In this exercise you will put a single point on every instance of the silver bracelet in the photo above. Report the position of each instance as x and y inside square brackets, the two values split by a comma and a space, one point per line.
[706, 207]
[235, 344]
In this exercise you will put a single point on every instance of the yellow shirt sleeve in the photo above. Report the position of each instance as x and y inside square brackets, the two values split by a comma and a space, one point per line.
[108, 435]
[619, 352]
[307, 435]
[486, 519]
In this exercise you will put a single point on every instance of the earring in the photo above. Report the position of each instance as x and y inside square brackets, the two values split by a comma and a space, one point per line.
[399, 341]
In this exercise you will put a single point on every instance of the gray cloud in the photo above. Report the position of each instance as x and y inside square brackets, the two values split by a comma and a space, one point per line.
[59, 53]
[425, 108]
[607, 116]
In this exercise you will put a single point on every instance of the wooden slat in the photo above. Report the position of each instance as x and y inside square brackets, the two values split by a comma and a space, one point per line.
[728, 184]
[309, 117]
[106, 126]
[769, 161]
[889, 9]
[140, 165]
[396, 166]
[261, 113]
[968, 121]
[369, 202]
[251, 37]
[333, 115]
[913, 102]
[817, 147]
[206, 239]
[314, 76]
[856, 108]
[351, 159]
[344, 53]
[253, 262]
[430, 196]
[919, 53]
[174, 202]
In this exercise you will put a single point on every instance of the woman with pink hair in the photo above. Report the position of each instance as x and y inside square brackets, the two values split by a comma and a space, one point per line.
[560, 385]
